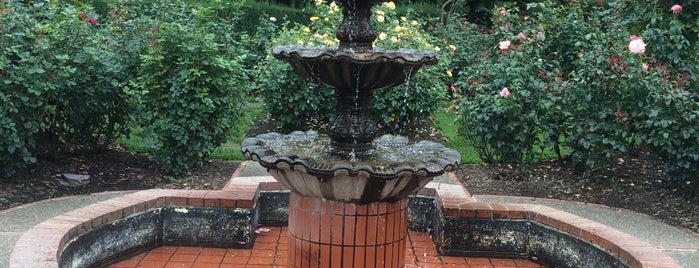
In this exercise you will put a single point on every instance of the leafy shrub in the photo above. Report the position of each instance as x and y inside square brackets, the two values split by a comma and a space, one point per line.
[70, 78]
[60, 82]
[574, 74]
[508, 99]
[190, 79]
[93, 110]
[287, 97]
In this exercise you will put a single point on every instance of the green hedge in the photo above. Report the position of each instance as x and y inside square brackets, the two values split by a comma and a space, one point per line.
[73, 78]
[61, 82]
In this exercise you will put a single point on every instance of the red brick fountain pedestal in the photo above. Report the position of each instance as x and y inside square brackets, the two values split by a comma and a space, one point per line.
[325, 233]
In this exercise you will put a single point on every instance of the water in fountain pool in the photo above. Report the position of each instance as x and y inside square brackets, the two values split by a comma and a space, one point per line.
[386, 150]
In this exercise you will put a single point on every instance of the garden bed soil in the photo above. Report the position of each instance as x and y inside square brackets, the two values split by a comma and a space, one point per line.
[632, 183]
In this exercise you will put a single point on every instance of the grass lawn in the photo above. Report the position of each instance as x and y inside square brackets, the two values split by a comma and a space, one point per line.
[445, 123]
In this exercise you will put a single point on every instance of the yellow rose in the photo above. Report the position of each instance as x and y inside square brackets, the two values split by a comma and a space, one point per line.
[403, 18]
[306, 30]
[380, 18]
[380, 12]
[452, 47]
[382, 36]
[390, 5]
[300, 42]
[413, 23]
[394, 39]
[314, 18]
[449, 73]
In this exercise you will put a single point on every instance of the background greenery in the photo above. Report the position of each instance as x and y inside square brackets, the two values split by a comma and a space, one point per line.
[182, 80]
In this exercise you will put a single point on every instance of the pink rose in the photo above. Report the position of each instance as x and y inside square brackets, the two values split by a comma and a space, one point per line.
[503, 12]
[520, 35]
[451, 53]
[637, 46]
[504, 92]
[452, 88]
[539, 34]
[644, 67]
[676, 9]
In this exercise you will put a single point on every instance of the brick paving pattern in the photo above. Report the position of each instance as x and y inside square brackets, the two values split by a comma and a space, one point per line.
[271, 250]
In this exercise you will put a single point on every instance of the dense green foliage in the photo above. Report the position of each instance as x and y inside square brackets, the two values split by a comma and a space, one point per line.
[529, 77]
[573, 74]
[60, 82]
[190, 80]
[72, 78]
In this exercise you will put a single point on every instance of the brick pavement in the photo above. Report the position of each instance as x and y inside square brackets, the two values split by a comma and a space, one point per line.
[271, 250]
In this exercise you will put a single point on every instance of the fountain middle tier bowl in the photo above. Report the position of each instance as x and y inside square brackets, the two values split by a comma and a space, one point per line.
[345, 69]
[306, 163]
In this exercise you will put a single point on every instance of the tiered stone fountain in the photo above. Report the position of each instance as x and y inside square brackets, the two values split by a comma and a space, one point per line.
[349, 189]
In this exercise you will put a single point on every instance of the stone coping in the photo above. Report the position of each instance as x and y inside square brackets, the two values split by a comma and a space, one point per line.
[632, 250]
[41, 245]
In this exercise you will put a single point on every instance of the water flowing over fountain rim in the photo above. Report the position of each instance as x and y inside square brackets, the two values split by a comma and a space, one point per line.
[404, 56]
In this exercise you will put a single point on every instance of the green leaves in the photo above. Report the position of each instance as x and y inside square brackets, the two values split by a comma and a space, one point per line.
[189, 85]
[66, 81]
[583, 85]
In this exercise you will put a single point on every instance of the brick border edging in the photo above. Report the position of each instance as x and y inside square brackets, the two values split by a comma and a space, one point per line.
[453, 200]
[53, 234]
[634, 251]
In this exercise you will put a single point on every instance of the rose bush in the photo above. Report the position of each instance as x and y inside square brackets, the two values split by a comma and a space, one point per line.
[72, 79]
[585, 78]
[191, 77]
[61, 82]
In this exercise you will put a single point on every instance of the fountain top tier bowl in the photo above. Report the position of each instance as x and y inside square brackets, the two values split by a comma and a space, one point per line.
[354, 71]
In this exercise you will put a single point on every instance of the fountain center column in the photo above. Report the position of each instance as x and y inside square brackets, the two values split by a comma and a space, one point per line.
[351, 128]
[356, 32]
[332, 234]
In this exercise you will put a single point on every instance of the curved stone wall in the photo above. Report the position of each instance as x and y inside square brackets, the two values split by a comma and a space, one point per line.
[459, 226]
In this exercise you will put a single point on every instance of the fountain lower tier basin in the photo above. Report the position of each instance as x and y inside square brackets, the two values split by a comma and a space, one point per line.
[457, 226]
[354, 70]
[307, 163]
